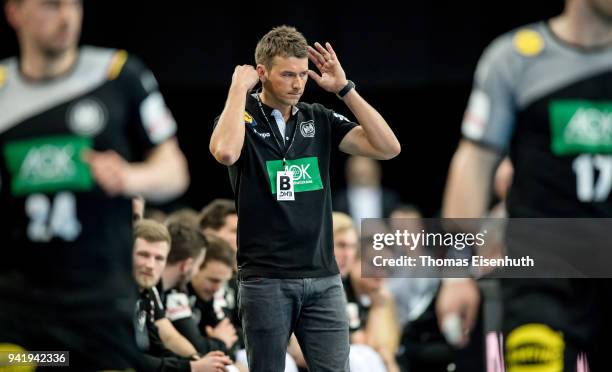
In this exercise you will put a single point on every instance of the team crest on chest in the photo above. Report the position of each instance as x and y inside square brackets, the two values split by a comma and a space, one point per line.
[307, 128]
[87, 117]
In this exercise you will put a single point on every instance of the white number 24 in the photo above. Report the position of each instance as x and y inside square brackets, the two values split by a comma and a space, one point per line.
[52, 220]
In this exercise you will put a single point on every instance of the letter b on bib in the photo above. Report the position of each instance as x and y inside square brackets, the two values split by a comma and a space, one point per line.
[284, 186]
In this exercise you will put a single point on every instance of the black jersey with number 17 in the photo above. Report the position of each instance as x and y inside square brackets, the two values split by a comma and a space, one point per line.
[549, 104]
[63, 240]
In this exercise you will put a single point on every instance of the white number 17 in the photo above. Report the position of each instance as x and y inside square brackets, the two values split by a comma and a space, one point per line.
[588, 188]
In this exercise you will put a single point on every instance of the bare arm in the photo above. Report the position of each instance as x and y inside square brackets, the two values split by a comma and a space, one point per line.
[382, 331]
[466, 196]
[162, 176]
[469, 181]
[373, 138]
[228, 136]
[173, 340]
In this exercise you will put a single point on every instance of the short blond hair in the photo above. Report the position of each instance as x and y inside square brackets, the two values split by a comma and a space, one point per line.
[282, 41]
[342, 222]
[152, 231]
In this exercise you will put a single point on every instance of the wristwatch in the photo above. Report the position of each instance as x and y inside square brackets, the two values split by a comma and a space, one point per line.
[347, 88]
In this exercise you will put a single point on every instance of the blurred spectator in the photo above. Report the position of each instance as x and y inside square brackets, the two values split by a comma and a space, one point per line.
[371, 313]
[364, 196]
[346, 241]
[412, 294]
[422, 347]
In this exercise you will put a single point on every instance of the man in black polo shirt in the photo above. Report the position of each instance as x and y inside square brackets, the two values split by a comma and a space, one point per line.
[278, 153]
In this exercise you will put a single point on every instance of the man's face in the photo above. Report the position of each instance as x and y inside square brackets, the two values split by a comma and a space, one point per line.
[210, 279]
[227, 232]
[286, 79]
[345, 249]
[149, 262]
[51, 26]
[362, 171]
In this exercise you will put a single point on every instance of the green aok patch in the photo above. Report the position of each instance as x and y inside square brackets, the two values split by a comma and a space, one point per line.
[306, 175]
[580, 126]
[48, 164]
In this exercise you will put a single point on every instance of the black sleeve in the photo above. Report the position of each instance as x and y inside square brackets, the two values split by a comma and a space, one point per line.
[340, 126]
[189, 329]
[151, 122]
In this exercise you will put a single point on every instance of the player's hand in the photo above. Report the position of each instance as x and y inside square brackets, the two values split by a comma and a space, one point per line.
[109, 170]
[245, 76]
[457, 309]
[215, 361]
[332, 77]
[224, 331]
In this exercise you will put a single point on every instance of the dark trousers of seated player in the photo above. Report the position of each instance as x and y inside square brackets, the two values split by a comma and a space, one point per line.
[95, 341]
[547, 323]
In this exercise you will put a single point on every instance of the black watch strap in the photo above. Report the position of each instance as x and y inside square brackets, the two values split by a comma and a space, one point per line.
[347, 88]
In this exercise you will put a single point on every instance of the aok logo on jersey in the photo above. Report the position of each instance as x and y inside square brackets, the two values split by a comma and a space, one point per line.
[306, 175]
[301, 173]
[581, 127]
[48, 164]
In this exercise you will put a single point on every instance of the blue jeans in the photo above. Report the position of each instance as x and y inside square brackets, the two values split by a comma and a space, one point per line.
[312, 308]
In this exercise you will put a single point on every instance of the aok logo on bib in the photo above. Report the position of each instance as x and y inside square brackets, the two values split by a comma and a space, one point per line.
[306, 175]
[48, 164]
[581, 127]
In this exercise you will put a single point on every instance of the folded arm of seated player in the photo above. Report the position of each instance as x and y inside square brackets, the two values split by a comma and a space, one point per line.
[173, 339]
